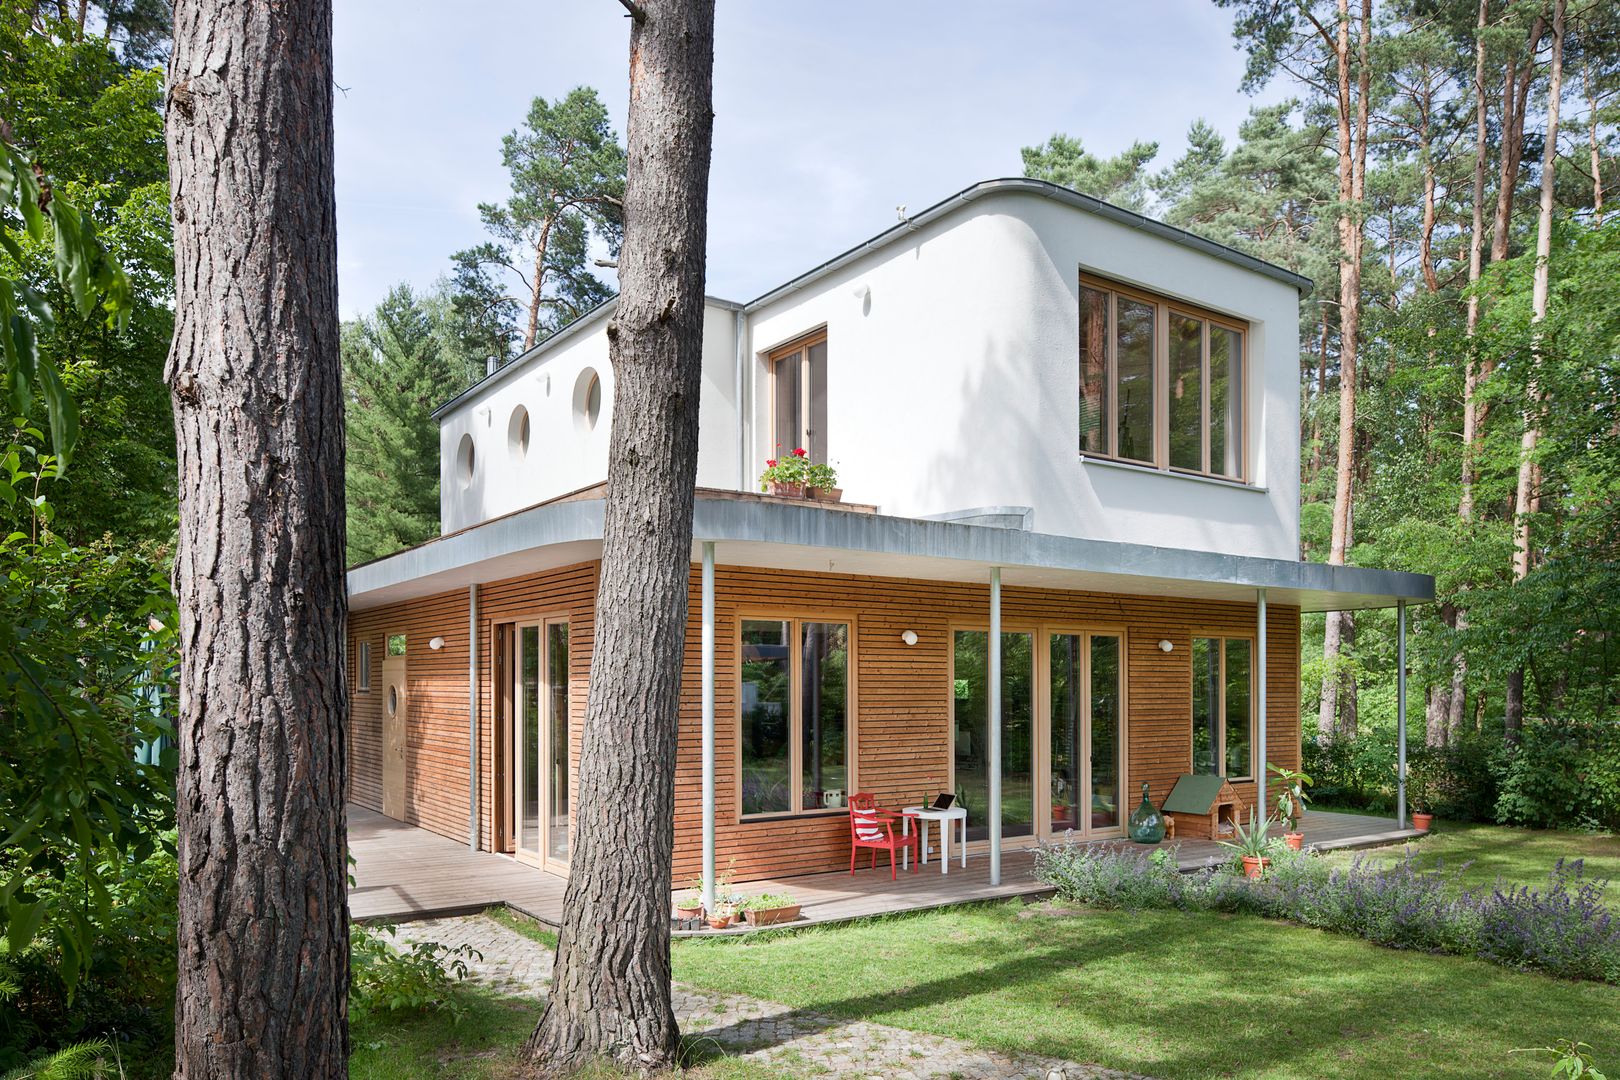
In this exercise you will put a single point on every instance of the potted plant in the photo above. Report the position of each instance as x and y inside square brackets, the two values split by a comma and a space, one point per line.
[786, 476]
[1253, 845]
[822, 480]
[717, 921]
[689, 906]
[768, 908]
[1420, 791]
[1291, 800]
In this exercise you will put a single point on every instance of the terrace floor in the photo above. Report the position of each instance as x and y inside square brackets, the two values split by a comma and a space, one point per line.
[403, 873]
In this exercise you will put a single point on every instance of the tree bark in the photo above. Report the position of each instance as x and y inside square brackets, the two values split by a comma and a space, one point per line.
[254, 376]
[538, 291]
[1352, 151]
[1592, 141]
[610, 992]
[1525, 496]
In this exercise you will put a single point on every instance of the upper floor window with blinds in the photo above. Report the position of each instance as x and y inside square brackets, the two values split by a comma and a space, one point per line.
[1161, 383]
[799, 397]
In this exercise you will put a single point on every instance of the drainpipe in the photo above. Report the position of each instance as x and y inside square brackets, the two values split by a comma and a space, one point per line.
[472, 717]
[1260, 698]
[995, 725]
[1400, 716]
[708, 725]
[740, 325]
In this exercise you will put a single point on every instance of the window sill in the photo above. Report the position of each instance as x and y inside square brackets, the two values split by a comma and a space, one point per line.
[789, 815]
[1154, 470]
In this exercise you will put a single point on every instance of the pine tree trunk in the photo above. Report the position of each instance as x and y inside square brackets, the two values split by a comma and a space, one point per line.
[1525, 493]
[254, 374]
[1352, 152]
[1592, 142]
[610, 992]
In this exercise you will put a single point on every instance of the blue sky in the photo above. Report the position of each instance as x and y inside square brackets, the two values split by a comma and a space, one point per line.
[827, 114]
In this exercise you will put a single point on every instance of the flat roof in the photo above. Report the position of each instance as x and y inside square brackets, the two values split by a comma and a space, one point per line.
[755, 530]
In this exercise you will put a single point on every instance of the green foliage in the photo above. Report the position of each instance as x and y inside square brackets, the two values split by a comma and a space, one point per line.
[1572, 1059]
[87, 652]
[1253, 841]
[399, 364]
[1562, 774]
[81, 1061]
[1122, 180]
[766, 902]
[567, 168]
[421, 976]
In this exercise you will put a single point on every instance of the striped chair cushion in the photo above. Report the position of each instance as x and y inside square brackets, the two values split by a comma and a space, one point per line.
[867, 826]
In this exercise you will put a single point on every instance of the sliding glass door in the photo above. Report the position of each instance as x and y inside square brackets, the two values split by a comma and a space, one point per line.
[541, 788]
[1083, 681]
[1062, 720]
[972, 731]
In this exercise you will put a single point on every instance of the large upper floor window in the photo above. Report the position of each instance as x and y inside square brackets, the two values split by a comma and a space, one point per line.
[799, 397]
[1161, 383]
[795, 715]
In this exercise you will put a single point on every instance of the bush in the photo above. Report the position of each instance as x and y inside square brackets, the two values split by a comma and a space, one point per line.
[1459, 782]
[1563, 773]
[1563, 930]
[417, 977]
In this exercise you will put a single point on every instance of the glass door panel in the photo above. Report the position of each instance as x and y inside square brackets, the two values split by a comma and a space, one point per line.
[1103, 729]
[526, 736]
[557, 741]
[972, 725]
[1068, 705]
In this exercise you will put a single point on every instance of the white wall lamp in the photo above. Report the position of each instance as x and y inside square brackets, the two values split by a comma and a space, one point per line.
[909, 637]
[1166, 645]
[436, 644]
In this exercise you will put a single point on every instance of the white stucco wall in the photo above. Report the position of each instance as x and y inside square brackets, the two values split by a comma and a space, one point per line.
[954, 382]
[565, 453]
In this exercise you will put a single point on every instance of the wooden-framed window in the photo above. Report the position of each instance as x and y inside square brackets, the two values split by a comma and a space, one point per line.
[363, 663]
[796, 723]
[799, 397]
[1161, 382]
[1223, 707]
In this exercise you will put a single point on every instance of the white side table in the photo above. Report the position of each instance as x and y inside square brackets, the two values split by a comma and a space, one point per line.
[925, 814]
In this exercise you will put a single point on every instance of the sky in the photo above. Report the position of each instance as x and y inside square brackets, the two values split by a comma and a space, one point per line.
[828, 114]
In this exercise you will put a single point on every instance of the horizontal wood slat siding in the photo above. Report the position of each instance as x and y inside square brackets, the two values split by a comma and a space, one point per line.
[902, 700]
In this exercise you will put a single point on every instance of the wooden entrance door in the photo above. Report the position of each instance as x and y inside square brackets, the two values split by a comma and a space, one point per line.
[396, 745]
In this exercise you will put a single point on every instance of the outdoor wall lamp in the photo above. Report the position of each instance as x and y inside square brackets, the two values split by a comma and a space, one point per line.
[1166, 645]
[436, 644]
[909, 637]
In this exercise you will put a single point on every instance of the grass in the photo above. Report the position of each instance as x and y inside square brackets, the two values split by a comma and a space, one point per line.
[485, 1045]
[1519, 856]
[523, 924]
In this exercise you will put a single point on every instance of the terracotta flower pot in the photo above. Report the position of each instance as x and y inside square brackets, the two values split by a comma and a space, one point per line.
[1422, 822]
[827, 494]
[689, 912]
[719, 922]
[1294, 840]
[767, 916]
[1254, 866]
[787, 491]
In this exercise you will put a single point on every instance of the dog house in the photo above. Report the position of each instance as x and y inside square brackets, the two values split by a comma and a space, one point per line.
[1203, 807]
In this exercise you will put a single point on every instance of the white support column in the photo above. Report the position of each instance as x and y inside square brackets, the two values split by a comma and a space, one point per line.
[708, 725]
[1260, 703]
[995, 726]
[472, 717]
[1400, 716]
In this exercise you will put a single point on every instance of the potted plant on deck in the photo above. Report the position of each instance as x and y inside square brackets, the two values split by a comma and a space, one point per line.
[1253, 845]
[786, 476]
[1420, 789]
[768, 908]
[822, 480]
[1291, 800]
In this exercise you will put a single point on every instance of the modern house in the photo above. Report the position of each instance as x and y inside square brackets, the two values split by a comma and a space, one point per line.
[1068, 441]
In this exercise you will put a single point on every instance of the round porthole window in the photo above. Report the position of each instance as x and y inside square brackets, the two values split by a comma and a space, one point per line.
[517, 433]
[464, 461]
[587, 399]
[393, 701]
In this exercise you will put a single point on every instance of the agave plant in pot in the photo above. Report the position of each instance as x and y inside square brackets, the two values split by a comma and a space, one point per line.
[1253, 845]
[1291, 800]
[786, 475]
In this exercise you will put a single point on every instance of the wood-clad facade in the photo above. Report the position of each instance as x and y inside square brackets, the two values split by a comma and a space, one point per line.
[900, 696]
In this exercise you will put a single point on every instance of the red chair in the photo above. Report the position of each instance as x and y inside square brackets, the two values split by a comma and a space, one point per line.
[871, 826]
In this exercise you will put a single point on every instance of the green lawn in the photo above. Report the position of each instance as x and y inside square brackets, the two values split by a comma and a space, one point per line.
[484, 1045]
[1193, 995]
[1521, 856]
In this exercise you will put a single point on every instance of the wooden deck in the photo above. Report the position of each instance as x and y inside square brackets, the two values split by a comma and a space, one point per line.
[403, 873]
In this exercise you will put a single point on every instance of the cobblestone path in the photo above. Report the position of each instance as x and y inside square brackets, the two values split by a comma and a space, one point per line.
[798, 1042]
